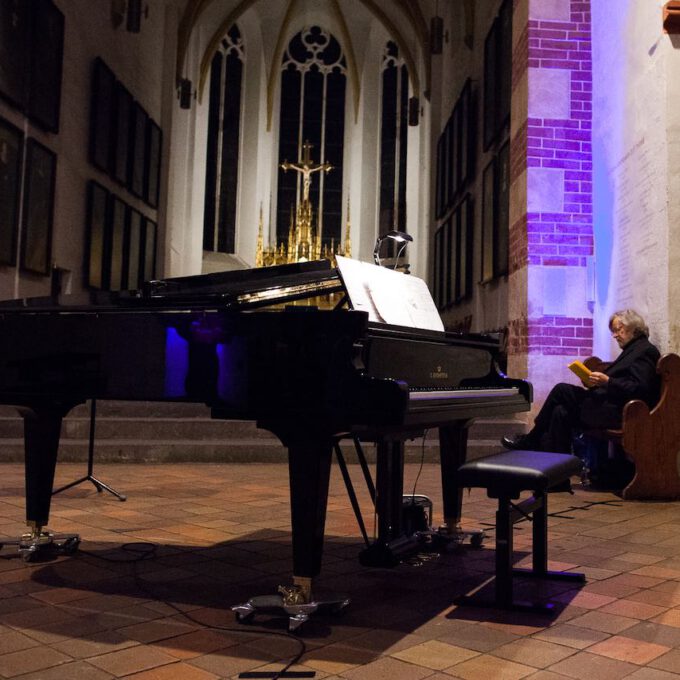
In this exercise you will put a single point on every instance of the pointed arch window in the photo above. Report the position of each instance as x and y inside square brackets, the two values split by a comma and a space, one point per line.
[393, 141]
[222, 158]
[313, 87]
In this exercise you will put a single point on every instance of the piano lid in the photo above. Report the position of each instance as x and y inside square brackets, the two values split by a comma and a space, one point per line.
[239, 289]
[249, 287]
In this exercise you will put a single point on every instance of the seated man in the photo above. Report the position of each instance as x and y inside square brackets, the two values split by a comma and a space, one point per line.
[570, 408]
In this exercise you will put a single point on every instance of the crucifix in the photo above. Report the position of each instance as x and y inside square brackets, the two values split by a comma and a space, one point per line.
[305, 167]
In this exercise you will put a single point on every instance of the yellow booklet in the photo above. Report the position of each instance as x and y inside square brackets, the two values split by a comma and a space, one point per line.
[580, 369]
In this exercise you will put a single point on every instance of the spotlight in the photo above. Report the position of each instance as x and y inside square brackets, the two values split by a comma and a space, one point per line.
[399, 237]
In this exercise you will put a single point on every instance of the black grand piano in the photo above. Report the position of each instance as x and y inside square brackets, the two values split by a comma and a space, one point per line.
[236, 342]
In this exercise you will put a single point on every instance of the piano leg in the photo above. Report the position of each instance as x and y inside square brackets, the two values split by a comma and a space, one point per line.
[309, 466]
[42, 428]
[453, 453]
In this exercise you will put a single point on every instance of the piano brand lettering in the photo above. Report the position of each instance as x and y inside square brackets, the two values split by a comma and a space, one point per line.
[439, 374]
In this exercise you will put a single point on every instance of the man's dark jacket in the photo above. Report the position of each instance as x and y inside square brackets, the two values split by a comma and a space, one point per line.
[631, 376]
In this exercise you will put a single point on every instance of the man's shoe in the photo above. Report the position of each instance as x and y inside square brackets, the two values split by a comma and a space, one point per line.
[519, 442]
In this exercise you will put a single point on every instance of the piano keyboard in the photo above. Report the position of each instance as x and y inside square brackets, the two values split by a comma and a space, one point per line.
[461, 393]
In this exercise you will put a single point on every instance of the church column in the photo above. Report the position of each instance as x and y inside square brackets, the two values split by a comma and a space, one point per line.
[551, 217]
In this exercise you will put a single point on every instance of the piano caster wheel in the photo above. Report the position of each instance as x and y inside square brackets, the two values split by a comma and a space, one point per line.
[43, 545]
[476, 540]
[297, 614]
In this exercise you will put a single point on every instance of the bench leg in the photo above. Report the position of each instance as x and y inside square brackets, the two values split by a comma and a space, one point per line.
[504, 553]
[506, 516]
[540, 547]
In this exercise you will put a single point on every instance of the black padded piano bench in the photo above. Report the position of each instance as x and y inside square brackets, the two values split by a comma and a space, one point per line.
[505, 476]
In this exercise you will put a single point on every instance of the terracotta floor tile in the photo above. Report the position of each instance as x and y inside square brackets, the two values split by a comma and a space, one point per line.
[632, 609]
[131, 660]
[487, 666]
[628, 649]
[13, 641]
[338, 658]
[94, 645]
[195, 643]
[435, 655]
[652, 674]
[28, 660]
[587, 666]
[534, 652]
[669, 618]
[668, 662]
[585, 599]
[655, 632]
[476, 637]
[607, 623]
[387, 669]
[572, 635]
[158, 629]
[77, 670]
[174, 671]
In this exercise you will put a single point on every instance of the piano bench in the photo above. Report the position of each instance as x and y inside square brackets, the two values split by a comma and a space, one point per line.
[505, 476]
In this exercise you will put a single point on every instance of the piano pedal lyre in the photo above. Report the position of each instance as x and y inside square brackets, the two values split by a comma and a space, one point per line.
[40, 543]
[295, 602]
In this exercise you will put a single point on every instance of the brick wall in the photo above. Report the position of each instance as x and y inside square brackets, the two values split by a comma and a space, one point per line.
[553, 146]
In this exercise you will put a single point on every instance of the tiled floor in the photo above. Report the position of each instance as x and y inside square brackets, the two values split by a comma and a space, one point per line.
[148, 595]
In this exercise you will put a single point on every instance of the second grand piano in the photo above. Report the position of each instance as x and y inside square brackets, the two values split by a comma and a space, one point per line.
[310, 376]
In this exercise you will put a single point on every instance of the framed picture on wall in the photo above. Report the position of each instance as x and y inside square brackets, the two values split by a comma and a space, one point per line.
[465, 248]
[504, 71]
[121, 133]
[148, 255]
[466, 132]
[47, 51]
[490, 84]
[11, 147]
[96, 269]
[454, 272]
[39, 183]
[441, 161]
[502, 203]
[137, 160]
[438, 268]
[116, 249]
[133, 250]
[15, 21]
[488, 221]
[454, 151]
[101, 115]
[153, 164]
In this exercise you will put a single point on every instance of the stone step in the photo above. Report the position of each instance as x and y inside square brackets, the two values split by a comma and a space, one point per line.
[206, 451]
[166, 432]
[143, 426]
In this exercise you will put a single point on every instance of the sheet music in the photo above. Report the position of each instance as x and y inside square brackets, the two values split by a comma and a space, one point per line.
[388, 295]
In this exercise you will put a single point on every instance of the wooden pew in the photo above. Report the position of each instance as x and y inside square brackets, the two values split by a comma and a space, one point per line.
[651, 439]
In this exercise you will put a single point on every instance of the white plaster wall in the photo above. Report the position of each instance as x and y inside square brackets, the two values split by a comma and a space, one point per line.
[633, 64]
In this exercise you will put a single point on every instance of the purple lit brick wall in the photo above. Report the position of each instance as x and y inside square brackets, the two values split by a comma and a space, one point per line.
[553, 146]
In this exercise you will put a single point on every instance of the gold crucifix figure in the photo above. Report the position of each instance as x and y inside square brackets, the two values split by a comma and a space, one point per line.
[305, 167]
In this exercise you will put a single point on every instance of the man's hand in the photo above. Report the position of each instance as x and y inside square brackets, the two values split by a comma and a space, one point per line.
[597, 379]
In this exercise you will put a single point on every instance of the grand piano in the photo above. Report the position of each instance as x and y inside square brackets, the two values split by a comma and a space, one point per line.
[240, 344]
